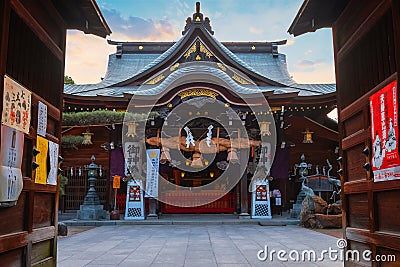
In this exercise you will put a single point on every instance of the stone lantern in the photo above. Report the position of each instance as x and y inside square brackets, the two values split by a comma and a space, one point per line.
[91, 208]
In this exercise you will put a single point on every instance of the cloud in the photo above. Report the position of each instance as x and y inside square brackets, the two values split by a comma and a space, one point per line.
[309, 64]
[290, 42]
[136, 28]
[309, 51]
[256, 30]
[217, 15]
[86, 57]
[325, 73]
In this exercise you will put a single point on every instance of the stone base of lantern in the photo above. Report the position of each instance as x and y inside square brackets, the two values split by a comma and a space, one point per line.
[93, 212]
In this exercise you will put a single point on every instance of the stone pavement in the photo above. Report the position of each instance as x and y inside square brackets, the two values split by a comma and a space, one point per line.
[189, 245]
[182, 219]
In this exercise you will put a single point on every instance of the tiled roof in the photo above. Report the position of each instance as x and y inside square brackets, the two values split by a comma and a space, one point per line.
[129, 65]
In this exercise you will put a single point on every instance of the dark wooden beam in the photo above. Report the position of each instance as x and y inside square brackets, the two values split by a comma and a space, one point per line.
[41, 33]
[396, 31]
[42, 234]
[355, 139]
[13, 241]
[30, 185]
[363, 186]
[364, 27]
[354, 107]
[378, 238]
[5, 23]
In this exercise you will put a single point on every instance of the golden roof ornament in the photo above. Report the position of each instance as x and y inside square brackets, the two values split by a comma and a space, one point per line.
[197, 19]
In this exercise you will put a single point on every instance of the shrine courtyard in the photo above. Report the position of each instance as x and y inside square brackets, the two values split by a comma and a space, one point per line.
[192, 245]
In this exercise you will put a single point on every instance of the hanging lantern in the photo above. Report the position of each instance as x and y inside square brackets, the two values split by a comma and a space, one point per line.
[197, 162]
[211, 174]
[308, 137]
[264, 128]
[87, 138]
[131, 129]
[165, 156]
[232, 156]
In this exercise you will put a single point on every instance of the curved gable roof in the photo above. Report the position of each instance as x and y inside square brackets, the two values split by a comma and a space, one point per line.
[125, 69]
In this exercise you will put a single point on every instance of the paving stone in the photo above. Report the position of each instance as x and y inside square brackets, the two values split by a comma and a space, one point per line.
[178, 245]
[73, 263]
[230, 258]
[200, 254]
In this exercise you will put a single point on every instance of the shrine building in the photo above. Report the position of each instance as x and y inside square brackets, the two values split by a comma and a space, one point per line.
[182, 80]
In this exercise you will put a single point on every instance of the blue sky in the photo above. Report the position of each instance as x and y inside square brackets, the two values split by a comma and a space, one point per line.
[309, 57]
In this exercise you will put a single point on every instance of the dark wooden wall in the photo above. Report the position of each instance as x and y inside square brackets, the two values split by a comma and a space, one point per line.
[367, 51]
[76, 188]
[32, 43]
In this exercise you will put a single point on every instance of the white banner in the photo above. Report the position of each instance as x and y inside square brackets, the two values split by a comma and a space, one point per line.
[133, 161]
[16, 105]
[53, 154]
[12, 147]
[42, 119]
[153, 163]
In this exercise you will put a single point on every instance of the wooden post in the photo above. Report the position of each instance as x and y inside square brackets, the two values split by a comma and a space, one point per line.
[218, 139]
[237, 198]
[244, 210]
[115, 199]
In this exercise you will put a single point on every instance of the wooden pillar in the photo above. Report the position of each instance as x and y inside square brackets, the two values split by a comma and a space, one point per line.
[237, 197]
[244, 202]
[244, 210]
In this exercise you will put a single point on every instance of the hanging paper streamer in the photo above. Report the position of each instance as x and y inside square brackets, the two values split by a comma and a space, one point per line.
[53, 154]
[209, 135]
[189, 137]
[42, 145]
[16, 105]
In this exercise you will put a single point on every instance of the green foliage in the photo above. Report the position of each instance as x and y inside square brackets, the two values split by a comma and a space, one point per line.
[63, 182]
[100, 117]
[68, 80]
[71, 141]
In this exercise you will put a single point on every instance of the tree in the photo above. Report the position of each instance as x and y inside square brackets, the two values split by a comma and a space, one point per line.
[68, 80]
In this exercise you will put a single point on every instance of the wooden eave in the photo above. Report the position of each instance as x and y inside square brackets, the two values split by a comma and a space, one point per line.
[161, 47]
[83, 15]
[295, 99]
[317, 128]
[122, 102]
[316, 14]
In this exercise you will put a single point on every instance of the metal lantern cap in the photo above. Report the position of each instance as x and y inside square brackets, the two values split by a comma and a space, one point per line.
[92, 165]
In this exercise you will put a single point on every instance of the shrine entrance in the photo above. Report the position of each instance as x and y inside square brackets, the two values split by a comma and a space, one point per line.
[201, 168]
[225, 204]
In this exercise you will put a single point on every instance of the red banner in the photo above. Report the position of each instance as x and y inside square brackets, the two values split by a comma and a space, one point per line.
[385, 133]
